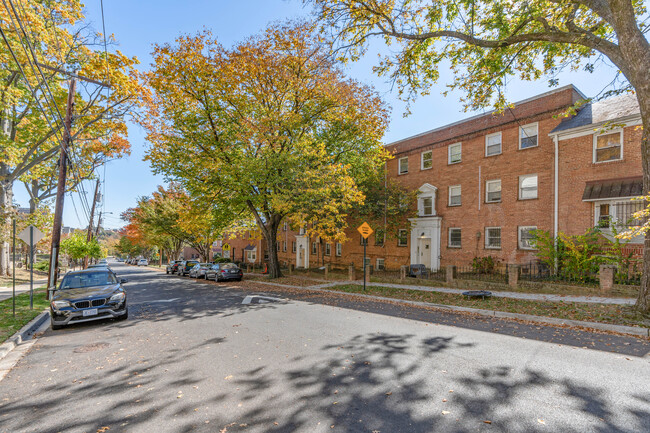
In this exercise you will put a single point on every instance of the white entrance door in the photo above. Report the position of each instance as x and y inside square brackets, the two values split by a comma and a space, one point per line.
[424, 252]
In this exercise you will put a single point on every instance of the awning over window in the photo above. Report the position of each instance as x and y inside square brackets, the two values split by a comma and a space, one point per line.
[613, 188]
[250, 248]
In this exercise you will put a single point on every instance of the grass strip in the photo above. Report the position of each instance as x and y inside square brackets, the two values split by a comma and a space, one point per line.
[9, 324]
[603, 313]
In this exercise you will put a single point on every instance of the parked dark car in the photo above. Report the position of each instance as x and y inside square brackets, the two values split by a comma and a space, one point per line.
[91, 294]
[198, 271]
[185, 266]
[418, 271]
[224, 271]
[172, 267]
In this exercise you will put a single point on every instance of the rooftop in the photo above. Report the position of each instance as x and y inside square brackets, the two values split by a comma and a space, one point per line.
[597, 112]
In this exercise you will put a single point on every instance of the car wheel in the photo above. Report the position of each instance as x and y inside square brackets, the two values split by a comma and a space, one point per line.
[238, 279]
[55, 327]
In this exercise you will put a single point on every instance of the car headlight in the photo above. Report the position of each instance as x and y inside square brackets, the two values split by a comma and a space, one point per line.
[57, 305]
[117, 297]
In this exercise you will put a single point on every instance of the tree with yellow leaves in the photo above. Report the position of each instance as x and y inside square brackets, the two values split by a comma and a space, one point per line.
[269, 129]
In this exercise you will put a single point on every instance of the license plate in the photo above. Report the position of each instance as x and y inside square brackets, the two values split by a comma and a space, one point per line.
[90, 312]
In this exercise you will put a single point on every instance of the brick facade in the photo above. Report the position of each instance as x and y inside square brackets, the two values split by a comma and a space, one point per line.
[428, 235]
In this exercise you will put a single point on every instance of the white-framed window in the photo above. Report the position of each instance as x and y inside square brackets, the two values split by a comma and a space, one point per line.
[328, 249]
[427, 206]
[617, 212]
[380, 237]
[284, 226]
[527, 186]
[526, 237]
[366, 262]
[493, 191]
[362, 240]
[302, 231]
[403, 164]
[493, 238]
[455, 237]
[293, 247]
[528, 136]
[608, 146]
[454, 195]
[493, 144]
[379, 263]
[284, 246]
[251, 255]
[427, 160]
[402, 238]
[339, 249]
[455, 153]
[314, 247]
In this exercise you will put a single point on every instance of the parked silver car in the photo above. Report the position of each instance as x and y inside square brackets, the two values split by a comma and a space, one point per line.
[224, 271]
[198, 271]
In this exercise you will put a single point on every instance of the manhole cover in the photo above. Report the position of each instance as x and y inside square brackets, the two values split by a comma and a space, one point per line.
[477, 294]
[91, 347]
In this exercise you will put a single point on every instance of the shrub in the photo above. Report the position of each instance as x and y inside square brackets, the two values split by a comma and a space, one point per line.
[42, 266]
[484, 265]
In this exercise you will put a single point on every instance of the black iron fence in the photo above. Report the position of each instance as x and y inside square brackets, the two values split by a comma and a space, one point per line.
[494, 275]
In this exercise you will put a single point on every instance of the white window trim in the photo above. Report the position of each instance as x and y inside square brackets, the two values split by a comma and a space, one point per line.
[338, 249]
[328, 249]
[519, 189]
[422, 160]
[399, 238]
[399, 165]
[449, 162]
[383, 264]
[422, 207]
[487, 137]
[521, 131]
[487, 247]
[487, 192]
[613, 131]
[613, 211]
[460, 195]
[519, 237]
[449, 245]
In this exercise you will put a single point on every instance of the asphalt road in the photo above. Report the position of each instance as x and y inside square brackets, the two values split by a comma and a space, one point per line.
[192, 357]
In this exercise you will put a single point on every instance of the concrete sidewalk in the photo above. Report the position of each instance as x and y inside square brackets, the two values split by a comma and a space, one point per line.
[6, 292]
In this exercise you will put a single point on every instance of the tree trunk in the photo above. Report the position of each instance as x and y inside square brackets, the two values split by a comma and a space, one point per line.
[272, 244]
[6, 202]
[643, 302]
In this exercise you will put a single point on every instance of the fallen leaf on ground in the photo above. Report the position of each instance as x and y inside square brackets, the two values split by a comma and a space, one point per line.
[541, 421]
[445, 412]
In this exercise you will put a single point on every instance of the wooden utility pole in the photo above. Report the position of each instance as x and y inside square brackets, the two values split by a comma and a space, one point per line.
[60, 193]
[91, 220]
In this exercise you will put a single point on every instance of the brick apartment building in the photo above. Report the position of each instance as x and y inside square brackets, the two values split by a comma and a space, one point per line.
[485, 182]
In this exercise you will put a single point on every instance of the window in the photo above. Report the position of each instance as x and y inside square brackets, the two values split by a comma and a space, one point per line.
[403, 165]
[427, 160]
[380, 264]
[493, 191]
[608, 147]
[625, 212]
[302, 231]
[380, 237]
[314, 247]
[493, 144]
[528, 136]
[427, 206]
[339, 249]
[527, 186]
[402, 237]
[284, 227]
[251, 255]
[526, 237]
[278, 244]
[454, 195]
[493, 237]
[284, 246]
[454, 237]
[454, 153]
[293, 247]
[328, 249]
[362, 240]
[366, 262]
[604, 217]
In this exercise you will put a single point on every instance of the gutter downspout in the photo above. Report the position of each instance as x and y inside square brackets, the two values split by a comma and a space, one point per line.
[555, 194]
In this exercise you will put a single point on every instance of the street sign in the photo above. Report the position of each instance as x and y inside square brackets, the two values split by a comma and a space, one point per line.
[365, 230]
[24, 235]
[226, 247]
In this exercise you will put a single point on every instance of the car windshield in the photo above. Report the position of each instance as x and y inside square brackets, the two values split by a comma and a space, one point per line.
[228, 266]
[87, 279]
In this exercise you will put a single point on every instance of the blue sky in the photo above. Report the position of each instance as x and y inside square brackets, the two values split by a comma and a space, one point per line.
[137, 25]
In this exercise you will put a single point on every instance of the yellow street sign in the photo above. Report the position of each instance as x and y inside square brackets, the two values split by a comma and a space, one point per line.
[365, 230]
[226, 247]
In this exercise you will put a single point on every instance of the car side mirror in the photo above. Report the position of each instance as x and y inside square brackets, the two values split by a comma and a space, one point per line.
[123, 280]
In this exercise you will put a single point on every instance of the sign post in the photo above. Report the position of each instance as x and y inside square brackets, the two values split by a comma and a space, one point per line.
[365, 231]
[13, 274]
[30, 236]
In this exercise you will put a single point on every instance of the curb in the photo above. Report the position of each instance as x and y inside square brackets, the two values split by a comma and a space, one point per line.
[621, 329]
[25, 333]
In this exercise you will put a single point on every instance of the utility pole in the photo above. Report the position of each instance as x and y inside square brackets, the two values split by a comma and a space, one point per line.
[60, 193]
[91, 220]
